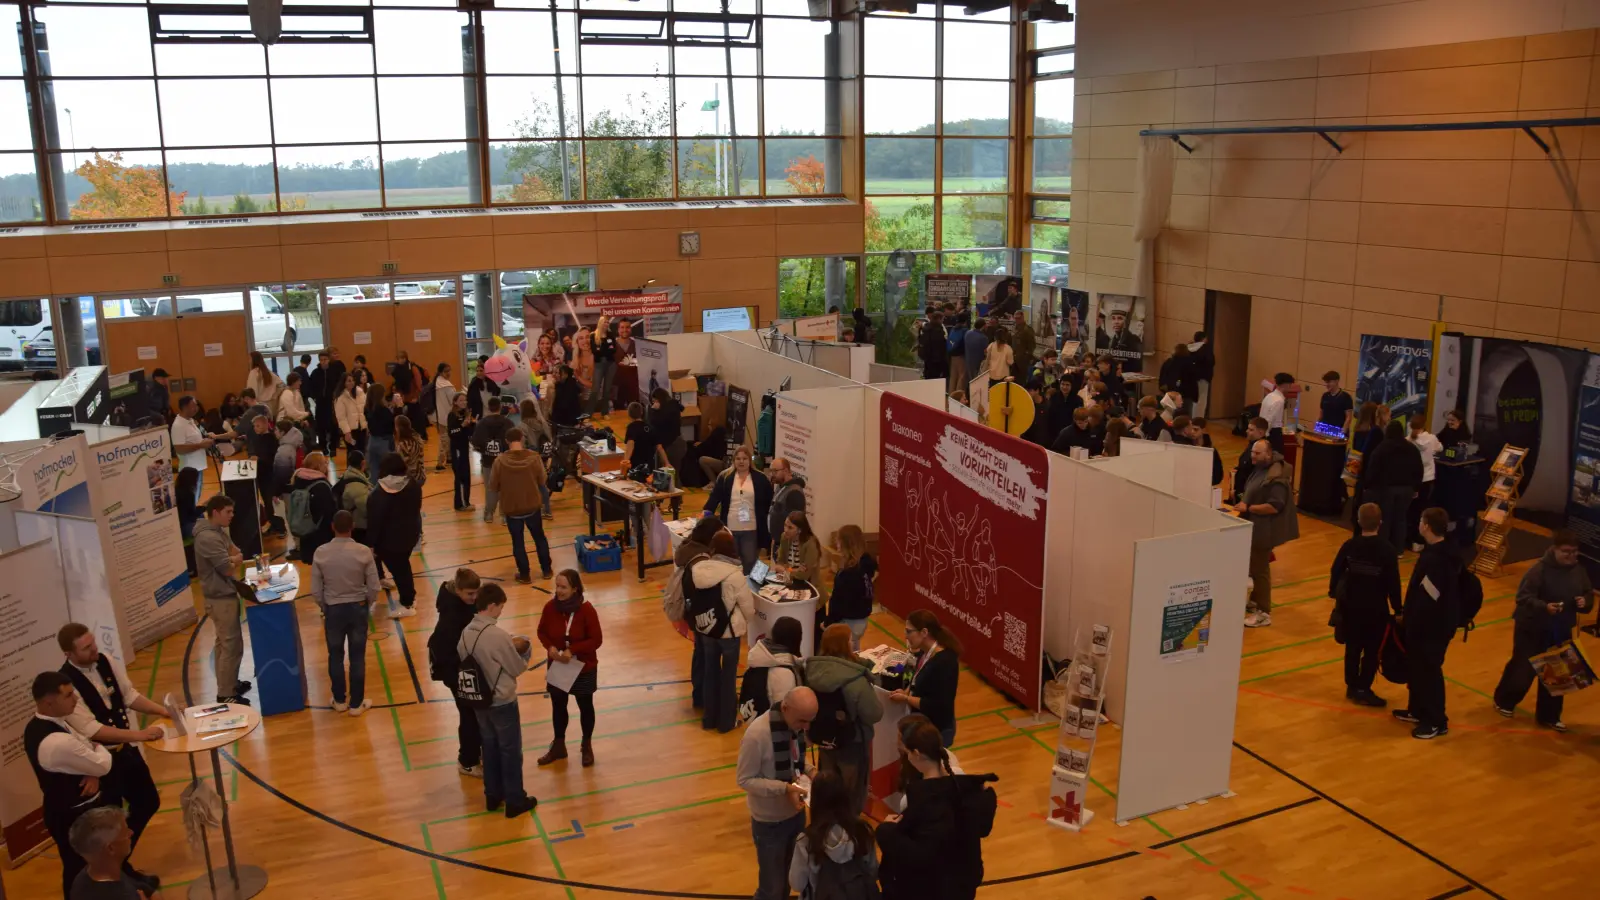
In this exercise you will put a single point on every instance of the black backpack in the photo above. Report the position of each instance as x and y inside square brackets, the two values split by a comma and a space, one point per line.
[833, 726]
[704, 609]
[753, 699]
[1471, 601]
[472, 687]
[853, 880]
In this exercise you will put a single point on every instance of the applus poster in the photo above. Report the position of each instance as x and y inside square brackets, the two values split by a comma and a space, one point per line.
[962, 531]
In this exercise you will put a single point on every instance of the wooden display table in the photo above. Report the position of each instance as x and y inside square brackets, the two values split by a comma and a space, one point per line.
[639, 499]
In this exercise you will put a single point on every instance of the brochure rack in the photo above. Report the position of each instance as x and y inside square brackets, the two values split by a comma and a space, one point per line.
[1080, 722]
[1505, 490]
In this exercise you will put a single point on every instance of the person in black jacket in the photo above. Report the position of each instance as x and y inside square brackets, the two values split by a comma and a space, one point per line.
[1393, 477]
[455, 606]
[935, 850]
[1256, 430]
[740, 492]
[332, 384]
[1176, 375]
[489, 439]
[1039, 431]
[1365, 585]
[480, 388]
[1549, 598]
[312, 477]
[1077, 434]
[666, 423]
[394, 525]
[567, 406]
[935, 356]
[1428, 619]
[1202, 365]
[932, 677]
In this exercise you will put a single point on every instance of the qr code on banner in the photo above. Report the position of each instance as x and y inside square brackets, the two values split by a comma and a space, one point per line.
[1016, 637]
[891, 471]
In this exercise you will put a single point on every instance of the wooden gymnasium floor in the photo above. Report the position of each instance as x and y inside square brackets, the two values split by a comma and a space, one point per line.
[1333, 800]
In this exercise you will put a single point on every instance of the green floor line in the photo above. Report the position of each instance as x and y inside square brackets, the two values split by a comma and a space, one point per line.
[1196, 854]
[1326, 662]
[383, 672]
[988, 712]
[155, 668]
[600, 712]
[1462, 684]
[551, 849]
[634, 784]
[400, 736]
[470, 815]
[493, 844]
[438, 877]
[898, 639]
[994, 740]
[657, 812]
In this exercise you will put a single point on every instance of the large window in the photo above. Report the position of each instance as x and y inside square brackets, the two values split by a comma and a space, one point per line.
[1050, 187]
[171, 110]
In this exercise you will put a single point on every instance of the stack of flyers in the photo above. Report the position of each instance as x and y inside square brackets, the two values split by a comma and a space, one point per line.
[1078, 722]
[1084, 680]
[1101, 640]
[1075, 762]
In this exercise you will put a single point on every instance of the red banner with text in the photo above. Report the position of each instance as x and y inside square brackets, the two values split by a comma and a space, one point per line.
[962, 534]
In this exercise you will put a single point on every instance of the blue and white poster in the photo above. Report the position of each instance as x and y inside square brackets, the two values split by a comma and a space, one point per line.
[1394, 373]
[1583, 501]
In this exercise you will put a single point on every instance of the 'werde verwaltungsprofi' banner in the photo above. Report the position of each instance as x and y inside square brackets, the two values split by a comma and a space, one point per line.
[135, 505]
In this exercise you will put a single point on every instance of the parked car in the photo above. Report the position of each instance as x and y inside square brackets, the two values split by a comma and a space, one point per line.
[353, 293]
[38, 351]
[405, 290]
[269, 321]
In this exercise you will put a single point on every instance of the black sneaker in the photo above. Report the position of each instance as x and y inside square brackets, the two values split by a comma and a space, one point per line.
[242, 687]
[235, 701]
[1429, 732]
[1368, 698]
[492, 805]
[1405, 715]
[521, 807]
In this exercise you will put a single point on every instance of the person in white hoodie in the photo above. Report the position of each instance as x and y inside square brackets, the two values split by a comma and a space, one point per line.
[292, 403]
[1430, 447]
[836, 839]
[719, 626]
[776, 658]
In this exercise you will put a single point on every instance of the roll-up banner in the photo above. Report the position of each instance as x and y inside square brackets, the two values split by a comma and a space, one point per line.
[962, 534]
[140, 536]
[31, 612]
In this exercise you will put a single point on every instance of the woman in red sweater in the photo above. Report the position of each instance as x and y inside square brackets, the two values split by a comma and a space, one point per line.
[569, 629]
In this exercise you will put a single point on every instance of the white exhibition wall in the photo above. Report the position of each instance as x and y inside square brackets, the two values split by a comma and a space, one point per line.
[1177, 739]
[1176, 469]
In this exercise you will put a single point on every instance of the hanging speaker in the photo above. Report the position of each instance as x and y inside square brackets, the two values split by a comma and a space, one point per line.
[266, 20]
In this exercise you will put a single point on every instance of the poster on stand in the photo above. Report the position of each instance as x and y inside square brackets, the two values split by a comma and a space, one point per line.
[738, 415]
[652, 361]
[797, 426]
[1583, 501]
[1186, 621]
[962, 520]
[1393, 372]
[1074, 334]
[660, 310]
[1119, 322]
[998, 295]
[817, 328]
[31, 612]
[139, 531]
[944, 287]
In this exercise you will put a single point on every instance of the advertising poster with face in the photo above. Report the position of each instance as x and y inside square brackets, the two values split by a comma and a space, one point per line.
[1119, 322]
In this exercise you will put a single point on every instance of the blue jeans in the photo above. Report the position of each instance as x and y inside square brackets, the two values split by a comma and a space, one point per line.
[346, 625]
[605, 372]
[948, 735]
[379, 446]
[719, 659]
[749, 548]
[501, 729]
[774, 849]
[519, 551]
[858, 627]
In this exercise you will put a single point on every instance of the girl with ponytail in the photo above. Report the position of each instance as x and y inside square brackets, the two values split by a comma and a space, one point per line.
[934, 851]
[931, 677]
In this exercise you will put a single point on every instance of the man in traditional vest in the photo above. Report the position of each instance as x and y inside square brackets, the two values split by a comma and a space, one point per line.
[68, 765]
[105, 698]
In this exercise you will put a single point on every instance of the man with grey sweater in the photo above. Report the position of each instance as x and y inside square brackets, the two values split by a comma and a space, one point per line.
[1549, 598]
[502, 658]
[772, 755]
[344, 580]
[218, 560]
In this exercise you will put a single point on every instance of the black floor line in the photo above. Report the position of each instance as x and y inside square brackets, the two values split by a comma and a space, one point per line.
[646, 892]
[405, 648]
[1464, 889]
[1471, 882]
[1235, 823]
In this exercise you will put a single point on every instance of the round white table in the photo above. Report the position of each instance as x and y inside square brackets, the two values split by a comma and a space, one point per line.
[235, 882]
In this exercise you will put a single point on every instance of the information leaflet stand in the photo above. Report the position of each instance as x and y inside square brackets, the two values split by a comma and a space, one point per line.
[1080, 723]
[1505, 489]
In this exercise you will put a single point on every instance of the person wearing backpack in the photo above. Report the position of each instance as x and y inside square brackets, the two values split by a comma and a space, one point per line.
[834, 857]
[848, 707]
[455, 605]
[489, 439]
[289, 454]
[696, 545]
[1365, 585]
[718, 605]
[394, 524]
[1429, 620]
[934, 851]
[932, 677]
[311, 507]
[773, 669]
[491, 661]
[1549, 598]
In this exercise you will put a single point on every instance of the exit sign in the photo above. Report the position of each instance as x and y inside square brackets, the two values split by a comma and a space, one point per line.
[391, 268]
[169, 280]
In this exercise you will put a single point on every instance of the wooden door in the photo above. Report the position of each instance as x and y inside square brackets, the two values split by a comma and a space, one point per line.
[1230, 338]
[143, 343]
[363, 329]
[430, 333]
[215, 349]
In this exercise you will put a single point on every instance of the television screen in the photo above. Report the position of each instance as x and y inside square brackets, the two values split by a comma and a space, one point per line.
[729, 318]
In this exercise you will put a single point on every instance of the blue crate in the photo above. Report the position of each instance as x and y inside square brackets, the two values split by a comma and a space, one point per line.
[607, 558]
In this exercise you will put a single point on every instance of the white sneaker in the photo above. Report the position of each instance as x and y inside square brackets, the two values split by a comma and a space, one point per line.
[1258, 620]
[406, 612]
[340, 706]
[470, 771]
[358, 710]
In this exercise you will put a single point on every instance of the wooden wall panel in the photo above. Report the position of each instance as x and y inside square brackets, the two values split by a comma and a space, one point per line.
[214, 375]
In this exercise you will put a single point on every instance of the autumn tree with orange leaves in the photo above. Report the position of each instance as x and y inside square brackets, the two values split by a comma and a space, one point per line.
[806, 175]
[123, 192]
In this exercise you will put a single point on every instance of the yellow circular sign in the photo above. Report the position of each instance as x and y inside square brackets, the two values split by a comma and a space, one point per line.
[1010, 408]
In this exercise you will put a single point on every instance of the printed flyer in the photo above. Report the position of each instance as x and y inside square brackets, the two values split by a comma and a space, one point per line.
[1186, 621]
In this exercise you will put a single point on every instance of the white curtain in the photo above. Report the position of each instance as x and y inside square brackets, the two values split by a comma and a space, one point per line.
[1152, 202]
